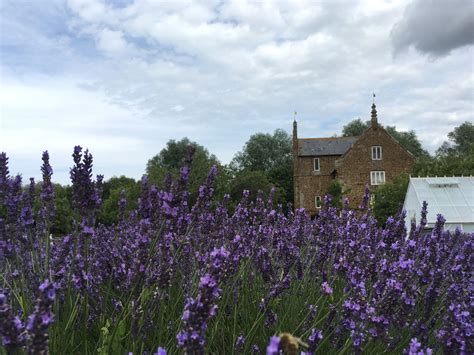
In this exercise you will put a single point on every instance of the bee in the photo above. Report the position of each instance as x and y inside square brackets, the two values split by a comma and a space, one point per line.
[290, 344]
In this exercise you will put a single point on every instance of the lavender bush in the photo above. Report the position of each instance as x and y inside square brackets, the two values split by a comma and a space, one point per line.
[175, 278]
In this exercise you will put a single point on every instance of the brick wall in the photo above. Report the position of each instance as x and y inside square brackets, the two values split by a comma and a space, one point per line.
[313, 183]
[355, 166]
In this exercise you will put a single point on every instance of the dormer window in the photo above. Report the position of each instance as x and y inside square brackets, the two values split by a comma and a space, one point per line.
[316, 164]
[376, 152]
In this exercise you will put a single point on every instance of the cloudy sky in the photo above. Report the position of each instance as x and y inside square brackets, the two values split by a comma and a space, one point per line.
[123, 77]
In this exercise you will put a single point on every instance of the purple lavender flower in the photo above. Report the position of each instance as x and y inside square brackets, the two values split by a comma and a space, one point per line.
[270, 318]
[314, 339]
[122, 204]
[86, 193]
[326, 288]
[196, 314]
[415, 348]
[11, 327]
[160, 351]
[273, 347]
[3, 175]
[421, 284]
[47, 193]
[239, 344]
[41, 319]
[310, 318]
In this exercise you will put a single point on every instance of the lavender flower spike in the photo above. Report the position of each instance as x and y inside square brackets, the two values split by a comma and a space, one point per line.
[160, 351]
[11, 327]
[273, 347]
[41, 319]
[415, 348]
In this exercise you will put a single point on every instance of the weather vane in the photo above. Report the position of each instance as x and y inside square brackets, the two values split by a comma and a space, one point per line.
[373, 99]
[294, 115]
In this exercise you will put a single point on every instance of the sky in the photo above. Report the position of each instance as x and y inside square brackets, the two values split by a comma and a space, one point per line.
[123, 77]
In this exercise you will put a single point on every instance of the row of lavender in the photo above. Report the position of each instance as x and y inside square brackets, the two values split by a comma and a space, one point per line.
[198, 278]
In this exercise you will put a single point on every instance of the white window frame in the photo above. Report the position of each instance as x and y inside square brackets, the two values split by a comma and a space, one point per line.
[376, 152]
[318, 201]
[377, 177]
[314, 164]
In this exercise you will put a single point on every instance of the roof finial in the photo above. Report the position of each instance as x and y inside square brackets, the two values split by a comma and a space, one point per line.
[294, 115]
[373, 120]
[295, 128]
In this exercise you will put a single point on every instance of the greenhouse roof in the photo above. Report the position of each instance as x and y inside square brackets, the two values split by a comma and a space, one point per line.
[453, 197]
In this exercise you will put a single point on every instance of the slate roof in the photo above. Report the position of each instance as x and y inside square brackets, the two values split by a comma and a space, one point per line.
[325, 146]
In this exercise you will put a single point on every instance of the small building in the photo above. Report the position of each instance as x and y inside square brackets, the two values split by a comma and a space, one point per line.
[453, 197]
[372, 158]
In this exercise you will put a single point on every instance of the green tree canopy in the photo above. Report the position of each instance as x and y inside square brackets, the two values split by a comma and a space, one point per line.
[454, 157]
[61, 223]
[264, 152]
[408, 140]
[111, 196]
[253, 181]
[461, 141]
[118, 183]
[271, 154]
[389, 198]
[355, 128]
[171, 158]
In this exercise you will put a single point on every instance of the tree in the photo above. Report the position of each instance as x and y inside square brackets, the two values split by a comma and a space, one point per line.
[111, 196]
[253, 181]
[389, 198]
[61, 223]
[408, 140]
[272, 155]
[462, 138]
[355, 128]
[264, 151]
[447, 164]
[171, 158]
[63, 216]
[454, 157]
[118, 183]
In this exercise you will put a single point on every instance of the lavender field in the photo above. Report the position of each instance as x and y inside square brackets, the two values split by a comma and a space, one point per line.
[172, 277]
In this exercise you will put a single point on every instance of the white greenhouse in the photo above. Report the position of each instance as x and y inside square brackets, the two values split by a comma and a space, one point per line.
[453, 197]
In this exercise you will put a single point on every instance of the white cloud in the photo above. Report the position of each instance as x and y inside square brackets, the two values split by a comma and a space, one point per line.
[177, 108]
[90, 10]
[111, 42]
[127, 78]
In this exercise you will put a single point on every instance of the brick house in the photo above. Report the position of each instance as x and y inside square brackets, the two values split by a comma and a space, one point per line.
[372, 158]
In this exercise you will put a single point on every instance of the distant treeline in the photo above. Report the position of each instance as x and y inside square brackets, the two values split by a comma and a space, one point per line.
[266, 162]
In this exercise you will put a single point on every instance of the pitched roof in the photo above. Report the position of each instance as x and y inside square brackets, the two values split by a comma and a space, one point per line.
[325, 146]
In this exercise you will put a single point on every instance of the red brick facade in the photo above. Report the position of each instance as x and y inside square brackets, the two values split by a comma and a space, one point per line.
[348, 159]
